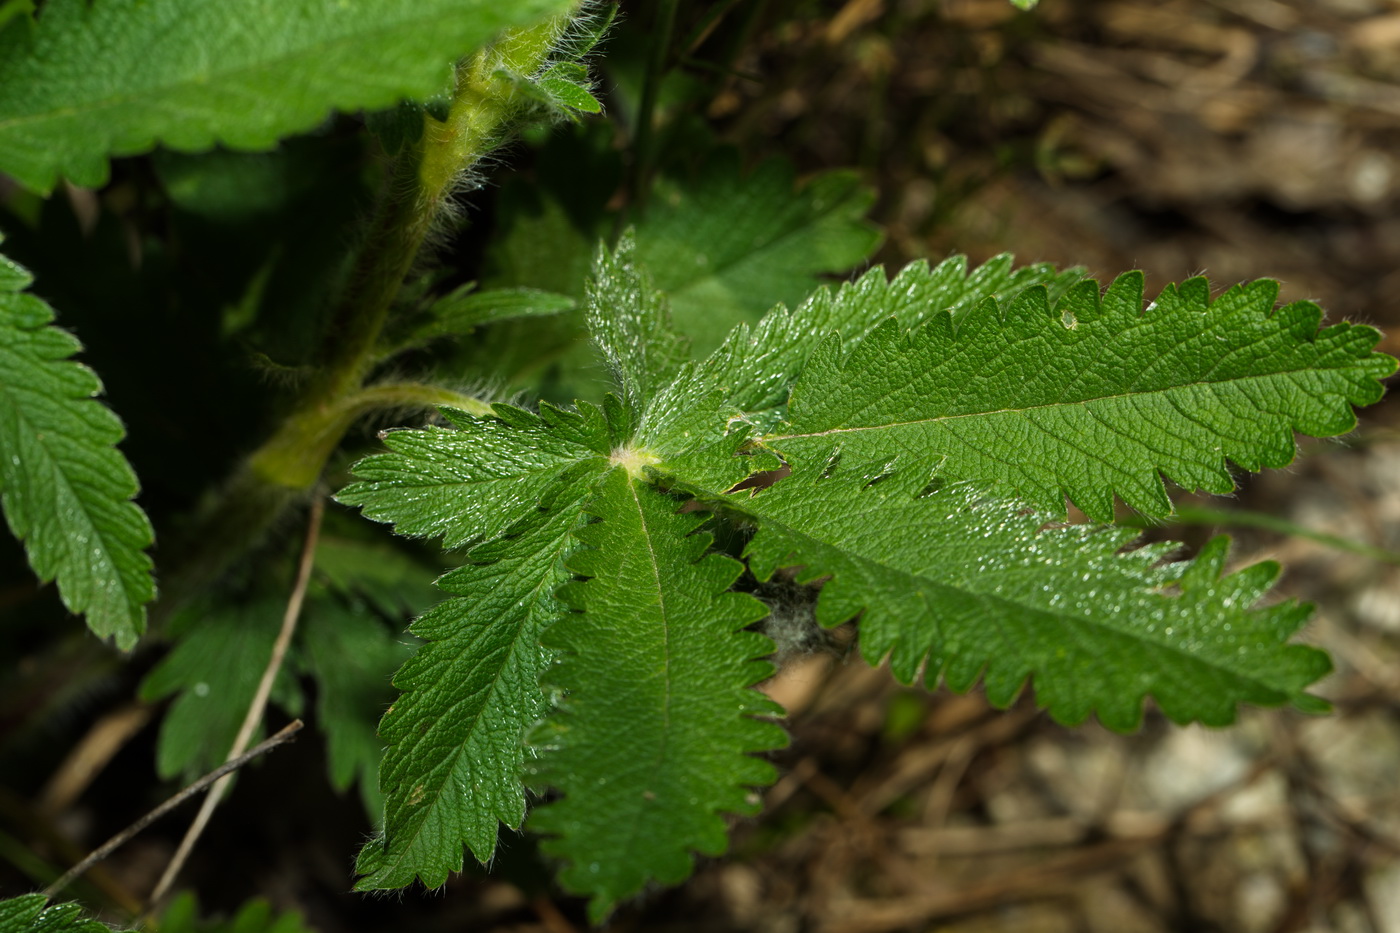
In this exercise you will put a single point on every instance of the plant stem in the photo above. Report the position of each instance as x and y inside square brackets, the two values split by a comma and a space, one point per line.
[295, 456]
[484, 111]
[85, 762]
[387, 254]
[259, 703]
[278, 475]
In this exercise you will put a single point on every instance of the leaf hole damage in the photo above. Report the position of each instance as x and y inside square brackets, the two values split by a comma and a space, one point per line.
[760, 480]
[930, 488]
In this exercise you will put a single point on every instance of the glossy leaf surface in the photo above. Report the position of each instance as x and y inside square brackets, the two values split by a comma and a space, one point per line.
[753, 371]
[473, 481]
[631, 325]
[65, 488]
[655, 739]
[453, 770]
[950, 585]
[1092, 398]
[30, 913]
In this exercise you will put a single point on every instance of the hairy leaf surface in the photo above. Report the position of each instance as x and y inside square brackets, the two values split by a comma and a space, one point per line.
[1094, 398]
[452, 772]
[117, 77]
[655, 738]
[630, 323]
[473, 482]
[29, 913]
[956, 585]
[722, 246]
[65, 488]
[754, 370]
[758, 365]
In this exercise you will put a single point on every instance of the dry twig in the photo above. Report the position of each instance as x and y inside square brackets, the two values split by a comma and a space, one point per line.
[218, 774]
[259, 704]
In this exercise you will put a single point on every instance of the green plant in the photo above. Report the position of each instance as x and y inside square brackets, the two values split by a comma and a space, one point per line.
[904, 445]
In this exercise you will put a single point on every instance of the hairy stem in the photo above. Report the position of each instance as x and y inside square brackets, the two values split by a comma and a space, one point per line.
[296, 454]
[279, 475]
[385, 257]
[484, 111]
[486, 108]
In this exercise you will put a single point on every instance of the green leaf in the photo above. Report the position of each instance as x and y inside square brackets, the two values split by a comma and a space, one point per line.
[725, 246]
[1094, 398]
[65, 488]
[951, 584]
[255, 916]
[18, 910]
[261, 235]
[243, 73]
[472, 483]
[215, 668]
[630, 323]
[550, 225]
[12, 8]
[229, 189]
[28, 913]
[353, 657]
[394, 583]
[453, 768]
[466, 308]
[568, 85]
[753, 371]
[402, 125]
[656, 735]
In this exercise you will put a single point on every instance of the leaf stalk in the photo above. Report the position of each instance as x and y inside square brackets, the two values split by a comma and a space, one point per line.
[484, 112]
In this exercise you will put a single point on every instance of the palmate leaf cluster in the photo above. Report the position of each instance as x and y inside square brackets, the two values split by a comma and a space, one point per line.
[908, 443]
[903, 446]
